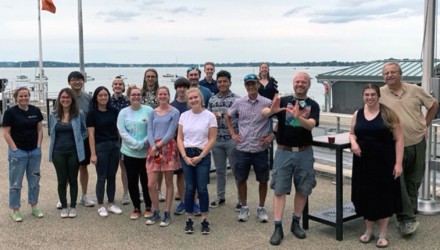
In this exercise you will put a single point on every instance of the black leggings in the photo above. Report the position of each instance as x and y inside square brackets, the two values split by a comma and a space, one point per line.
[67, 167]
[136, 170]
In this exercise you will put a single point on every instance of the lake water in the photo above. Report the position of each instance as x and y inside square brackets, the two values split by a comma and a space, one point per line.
[104, 76]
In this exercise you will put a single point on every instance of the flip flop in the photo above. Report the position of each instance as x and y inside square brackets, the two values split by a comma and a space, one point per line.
[366, 238]
[382, 242]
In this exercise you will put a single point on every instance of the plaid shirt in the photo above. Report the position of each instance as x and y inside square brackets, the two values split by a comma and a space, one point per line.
[221, 104]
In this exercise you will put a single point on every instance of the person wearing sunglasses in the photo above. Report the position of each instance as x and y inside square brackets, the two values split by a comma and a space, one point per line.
[209, 82]
[253, 139]
[193, 75]
[297, 115]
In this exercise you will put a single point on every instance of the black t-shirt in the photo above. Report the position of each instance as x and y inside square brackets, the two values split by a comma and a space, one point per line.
[24, 126]
[104, 123]
[290, 133]
[181, 106]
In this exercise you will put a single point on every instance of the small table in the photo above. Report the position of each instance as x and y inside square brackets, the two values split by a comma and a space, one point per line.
[333, 216]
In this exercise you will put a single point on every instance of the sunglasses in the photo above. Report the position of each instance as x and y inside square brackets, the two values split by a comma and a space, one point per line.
[250, 77]
[192, 68]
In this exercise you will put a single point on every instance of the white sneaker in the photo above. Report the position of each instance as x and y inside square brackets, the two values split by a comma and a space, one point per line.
[244, 214]
[64, 213]
[125, 199]
[114, 209]
[86, 201]
[262, 215]
[72, 212]
[59, 206]
[161, 197]
[102, 212]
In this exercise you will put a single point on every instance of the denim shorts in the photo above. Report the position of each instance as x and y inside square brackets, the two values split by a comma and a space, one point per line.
[296, 165]
[245, 160]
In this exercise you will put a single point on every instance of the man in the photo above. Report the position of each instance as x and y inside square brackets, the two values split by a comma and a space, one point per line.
[119, 101]
[297, 116]
[209, 81]
[181, 85]
[252, 140]
[224, 148]
[193, 75]
[407, 100]
[76, 82]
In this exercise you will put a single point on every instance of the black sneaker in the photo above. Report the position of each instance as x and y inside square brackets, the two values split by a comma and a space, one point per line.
[189, 229]
[217, 203]
[205, 227]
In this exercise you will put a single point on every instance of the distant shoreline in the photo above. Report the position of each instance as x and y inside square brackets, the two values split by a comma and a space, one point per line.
[54, 64]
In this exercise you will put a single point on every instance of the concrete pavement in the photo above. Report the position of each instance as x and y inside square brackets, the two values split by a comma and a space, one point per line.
[89, 231]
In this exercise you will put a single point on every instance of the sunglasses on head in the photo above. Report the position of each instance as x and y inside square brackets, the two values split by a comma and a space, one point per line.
[193, 68]
[250, 77]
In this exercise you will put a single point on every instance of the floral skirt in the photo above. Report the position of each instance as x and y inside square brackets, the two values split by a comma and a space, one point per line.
[169, 158]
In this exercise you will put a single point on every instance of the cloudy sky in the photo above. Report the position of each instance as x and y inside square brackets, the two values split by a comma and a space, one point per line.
[156, 31]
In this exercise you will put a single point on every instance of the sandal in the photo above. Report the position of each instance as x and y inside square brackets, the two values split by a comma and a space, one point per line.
[382, 242]
[366, 238]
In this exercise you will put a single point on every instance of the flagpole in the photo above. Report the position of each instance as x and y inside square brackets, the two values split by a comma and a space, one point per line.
[41, 95]
[81, 41]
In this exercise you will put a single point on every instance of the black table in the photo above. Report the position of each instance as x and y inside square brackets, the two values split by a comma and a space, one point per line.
[333, 216]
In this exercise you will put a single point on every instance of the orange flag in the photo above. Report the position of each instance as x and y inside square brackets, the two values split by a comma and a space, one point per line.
[49, 6]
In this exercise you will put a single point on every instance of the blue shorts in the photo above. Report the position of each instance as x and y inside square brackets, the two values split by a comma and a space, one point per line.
[245, 160]
[298, 165]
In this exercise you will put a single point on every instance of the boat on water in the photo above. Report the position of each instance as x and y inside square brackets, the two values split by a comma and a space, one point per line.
[37, 77]
[168, 75]
[22, 78]
[90, 78]
[123, 77]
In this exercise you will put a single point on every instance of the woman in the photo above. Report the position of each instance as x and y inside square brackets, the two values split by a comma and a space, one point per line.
[149, 88]
[377, 145]
[163, 156]
[197, 133]
[104, 148]
[132, 125]
[119, 101]
[269, 86]
[23, 132]
[67, 133]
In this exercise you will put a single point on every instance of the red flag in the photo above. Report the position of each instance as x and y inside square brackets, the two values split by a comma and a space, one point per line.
[49, 6]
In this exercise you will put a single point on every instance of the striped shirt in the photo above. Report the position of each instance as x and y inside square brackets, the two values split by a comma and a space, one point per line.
[252, 125]
[221, 104]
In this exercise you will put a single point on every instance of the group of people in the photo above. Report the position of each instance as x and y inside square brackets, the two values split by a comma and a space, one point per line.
[152, 138]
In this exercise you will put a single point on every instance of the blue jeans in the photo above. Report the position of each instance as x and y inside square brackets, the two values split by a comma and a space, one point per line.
[196, 178]
[21, 161]
[107, 154]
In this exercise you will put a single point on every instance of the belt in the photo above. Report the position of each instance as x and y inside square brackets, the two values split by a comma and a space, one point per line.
[198, 150]
[293, 149]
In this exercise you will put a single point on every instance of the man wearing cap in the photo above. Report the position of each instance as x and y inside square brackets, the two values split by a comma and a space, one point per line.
[209, 82]
[253, 139]
[193, 75]
[297, 116]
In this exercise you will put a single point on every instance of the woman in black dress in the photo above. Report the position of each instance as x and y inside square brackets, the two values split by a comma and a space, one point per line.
[377, 145]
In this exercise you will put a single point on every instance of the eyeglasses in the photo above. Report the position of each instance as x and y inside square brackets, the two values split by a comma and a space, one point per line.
[250, 77]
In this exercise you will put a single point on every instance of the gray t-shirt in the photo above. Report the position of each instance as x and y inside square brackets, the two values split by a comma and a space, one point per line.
[83, 102]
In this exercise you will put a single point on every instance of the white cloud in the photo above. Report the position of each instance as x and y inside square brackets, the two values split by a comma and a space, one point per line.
[149, 31]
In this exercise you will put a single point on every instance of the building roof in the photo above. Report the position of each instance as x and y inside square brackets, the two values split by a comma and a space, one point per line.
[372, 71]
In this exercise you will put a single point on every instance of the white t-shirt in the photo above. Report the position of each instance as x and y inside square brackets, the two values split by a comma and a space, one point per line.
[195, 128]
